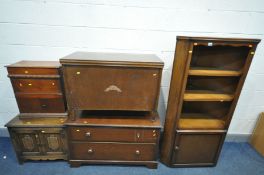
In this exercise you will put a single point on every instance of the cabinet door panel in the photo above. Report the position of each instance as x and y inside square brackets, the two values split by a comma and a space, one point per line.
[54, 141]
[28, 143]
[197, 148]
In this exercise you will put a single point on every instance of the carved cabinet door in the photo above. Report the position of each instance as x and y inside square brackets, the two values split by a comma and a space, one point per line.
[28, 142]
[53, 141]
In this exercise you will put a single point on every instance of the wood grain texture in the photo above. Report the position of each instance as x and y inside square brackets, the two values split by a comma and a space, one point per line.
[207, 78]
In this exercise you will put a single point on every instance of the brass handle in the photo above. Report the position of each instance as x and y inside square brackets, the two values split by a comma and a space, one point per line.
[43, 106]
[30, 84]
[137, 152]
[88, 134]
[90, 151]
[176, 148]
[138, 135]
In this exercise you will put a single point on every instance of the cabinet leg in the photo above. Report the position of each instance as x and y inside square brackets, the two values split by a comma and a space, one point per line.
[74, 164]
[152, 165]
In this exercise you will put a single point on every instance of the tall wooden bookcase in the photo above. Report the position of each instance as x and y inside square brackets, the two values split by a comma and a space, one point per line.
[207, 78]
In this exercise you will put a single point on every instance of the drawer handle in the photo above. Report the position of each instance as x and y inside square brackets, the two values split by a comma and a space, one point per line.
[30, 84]
[137, 152]
[113, 88]
[90, 151]
[138, 135]
[43, 106]
[88, 134]
[26, 72]
[177, 148]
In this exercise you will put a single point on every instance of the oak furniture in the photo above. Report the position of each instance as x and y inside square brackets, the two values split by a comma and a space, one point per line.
[38, 133]
[207, 78]
[257, 138]
[38, 88]
[112, 101]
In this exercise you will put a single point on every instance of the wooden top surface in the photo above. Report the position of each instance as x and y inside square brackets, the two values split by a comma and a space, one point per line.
[254, 40]
[145, 121]
[36, 122]
[36, 64]
[118, 59]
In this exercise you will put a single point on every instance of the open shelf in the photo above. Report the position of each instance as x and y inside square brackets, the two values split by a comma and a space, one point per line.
[205, 71]
[212, 84]
[191, 123]
[219, 57]
[205, 110]
[200, 95]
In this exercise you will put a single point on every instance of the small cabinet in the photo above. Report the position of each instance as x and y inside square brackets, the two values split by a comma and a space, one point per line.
[197, 148]
[39, 143]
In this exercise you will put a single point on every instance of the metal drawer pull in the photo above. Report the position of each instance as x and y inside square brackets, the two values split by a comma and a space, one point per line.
[138, 135]
[90, 151]
[137, 152]
[88, 134]
[29, 84]
[176, 148]
[44, 106]
[26, 72]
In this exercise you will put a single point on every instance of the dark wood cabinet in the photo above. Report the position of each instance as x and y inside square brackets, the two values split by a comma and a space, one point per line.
[207, 78]
[111, 140]
[38, 88]
[112, 81]
[38, 139]
[112, 101]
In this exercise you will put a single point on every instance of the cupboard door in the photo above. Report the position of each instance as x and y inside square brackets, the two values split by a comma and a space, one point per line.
[28, 142]
[53, 141]
[197, 148]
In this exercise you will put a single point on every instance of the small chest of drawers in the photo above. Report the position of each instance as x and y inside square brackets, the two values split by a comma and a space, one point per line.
[107, 140]
[38, 88]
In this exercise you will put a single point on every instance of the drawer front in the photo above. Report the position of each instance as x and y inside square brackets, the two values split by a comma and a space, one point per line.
[113, 134]
[118, 88]
[32, 71]
[36, 85]
[113, 151]
[40, 103]
[195, 148]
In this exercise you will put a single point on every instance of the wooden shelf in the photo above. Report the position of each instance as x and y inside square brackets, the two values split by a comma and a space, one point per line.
[206, 96]
[199, 71]
[191, 123]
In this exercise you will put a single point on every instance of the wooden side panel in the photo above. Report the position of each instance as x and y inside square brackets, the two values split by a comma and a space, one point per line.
[257, 138]
[180, 68]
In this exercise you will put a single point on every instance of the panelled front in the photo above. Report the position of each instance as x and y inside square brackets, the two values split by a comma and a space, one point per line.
[197, 148]
[39, 143]
[104, 134]
[113, 143]
[40, 103]
[36, 85]
[113, 151]
[112, 88]
[38, 89]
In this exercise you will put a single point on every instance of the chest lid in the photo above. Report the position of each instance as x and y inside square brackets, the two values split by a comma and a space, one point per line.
[112, 59]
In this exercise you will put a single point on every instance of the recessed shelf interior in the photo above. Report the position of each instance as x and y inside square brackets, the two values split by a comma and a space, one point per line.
[225, 85]
[205, 110]
[219, 57]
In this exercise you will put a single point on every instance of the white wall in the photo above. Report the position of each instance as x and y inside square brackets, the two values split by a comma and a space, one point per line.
[50, 29]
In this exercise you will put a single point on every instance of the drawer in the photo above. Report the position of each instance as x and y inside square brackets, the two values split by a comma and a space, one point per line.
[32, 71]
[35, 103]
[113, 151]
[36, 85]
[118, 88]
[113, 134]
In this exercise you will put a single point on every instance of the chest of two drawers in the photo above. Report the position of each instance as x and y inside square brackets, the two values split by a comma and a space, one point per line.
[113, 143]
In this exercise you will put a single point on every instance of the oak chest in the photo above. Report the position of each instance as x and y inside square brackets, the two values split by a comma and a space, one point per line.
[109, 139]
[38, 138]
[38, 88]
[111, 81]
